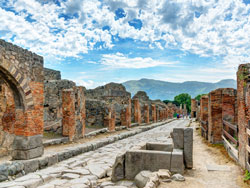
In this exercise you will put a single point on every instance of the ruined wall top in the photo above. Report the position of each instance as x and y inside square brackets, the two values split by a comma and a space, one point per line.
[50, 74]
[108, 90]
[27, 62]
[141, 95]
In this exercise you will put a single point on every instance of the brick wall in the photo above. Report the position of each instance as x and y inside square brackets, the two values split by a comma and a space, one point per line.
[137, 111]
[243, 75]
[215, 116]
[23, 72]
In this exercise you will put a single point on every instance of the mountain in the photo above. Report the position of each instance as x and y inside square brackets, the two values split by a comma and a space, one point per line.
[157, 89]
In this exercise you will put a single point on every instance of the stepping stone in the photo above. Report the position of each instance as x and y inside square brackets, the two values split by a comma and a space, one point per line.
[218, 168]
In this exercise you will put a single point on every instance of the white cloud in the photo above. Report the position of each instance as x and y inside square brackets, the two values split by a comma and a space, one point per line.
[119, 60]
[172, 22]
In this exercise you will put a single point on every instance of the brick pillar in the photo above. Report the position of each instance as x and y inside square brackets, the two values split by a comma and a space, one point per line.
[146, 113]
[126, 115]
[153, 113]
[204, 116]
[110, 119]
[193, 108]
[243, 111]
[68, 111]
[80, 110]
[137, 111]
[215, 116]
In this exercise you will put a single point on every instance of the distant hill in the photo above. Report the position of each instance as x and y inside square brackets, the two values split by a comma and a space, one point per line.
[157, 89]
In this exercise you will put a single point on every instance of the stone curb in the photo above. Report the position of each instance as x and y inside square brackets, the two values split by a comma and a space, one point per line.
[14, 169]
[65, 140]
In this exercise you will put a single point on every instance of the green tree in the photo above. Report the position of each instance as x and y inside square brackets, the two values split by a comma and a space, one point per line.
[184, 98]
[198, 97]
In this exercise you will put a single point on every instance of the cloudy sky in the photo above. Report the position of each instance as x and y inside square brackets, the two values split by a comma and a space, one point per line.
[94, 42]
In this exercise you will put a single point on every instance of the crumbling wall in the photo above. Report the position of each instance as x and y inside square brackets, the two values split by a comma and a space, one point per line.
[53, 103]
[96, 111]
[111, 94]
[50, 74]
[145, 106]
[23, 72]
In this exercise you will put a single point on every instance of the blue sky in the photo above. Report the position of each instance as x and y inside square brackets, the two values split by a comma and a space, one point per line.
[94, 42]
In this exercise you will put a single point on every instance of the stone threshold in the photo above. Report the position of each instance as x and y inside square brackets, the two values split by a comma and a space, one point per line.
[14, 169]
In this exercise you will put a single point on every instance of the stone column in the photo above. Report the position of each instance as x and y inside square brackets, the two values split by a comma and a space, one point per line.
[215, 116]
[243, 112]
[68, 111]
[146, 113]
[137, 111]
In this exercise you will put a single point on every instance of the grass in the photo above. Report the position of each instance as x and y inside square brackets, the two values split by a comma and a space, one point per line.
[247, 175]
[50, 135]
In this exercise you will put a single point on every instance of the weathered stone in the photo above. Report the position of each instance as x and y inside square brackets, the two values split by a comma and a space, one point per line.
[139, 160]
[118, 170]
[177, 163]
[142, 178]
[178, 138]
[178, 177]
[31, 165]
[27, 154]
[3, 172]
[188, 147]
[164, 174]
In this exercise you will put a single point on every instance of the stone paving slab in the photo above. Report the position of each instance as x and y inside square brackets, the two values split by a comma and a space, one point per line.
[12, 169]
[101, 158]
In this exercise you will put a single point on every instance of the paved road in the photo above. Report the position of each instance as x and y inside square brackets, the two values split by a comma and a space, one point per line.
[93, 169]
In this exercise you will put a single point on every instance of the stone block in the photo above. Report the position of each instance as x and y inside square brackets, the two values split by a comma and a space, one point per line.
[31, 165]
[27, 154]
[178, 138]
[188, 147]
[139, 160]
[118, 169]
[26, 143]
[159, 146]
[177, 163]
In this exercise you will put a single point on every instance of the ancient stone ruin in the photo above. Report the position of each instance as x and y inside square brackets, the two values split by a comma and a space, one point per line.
[175, 155]
[36, 101]
[224, 117]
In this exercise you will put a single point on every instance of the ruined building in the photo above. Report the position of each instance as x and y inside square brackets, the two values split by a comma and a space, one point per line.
[225, 117]
[35, 100]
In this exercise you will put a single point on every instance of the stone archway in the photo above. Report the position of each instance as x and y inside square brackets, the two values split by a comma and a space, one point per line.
[21, 90]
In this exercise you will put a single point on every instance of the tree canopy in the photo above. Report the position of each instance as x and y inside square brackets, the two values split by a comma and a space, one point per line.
[198, 97]
[184, 98]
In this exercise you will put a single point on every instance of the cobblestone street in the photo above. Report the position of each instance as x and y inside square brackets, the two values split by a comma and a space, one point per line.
[92, 169]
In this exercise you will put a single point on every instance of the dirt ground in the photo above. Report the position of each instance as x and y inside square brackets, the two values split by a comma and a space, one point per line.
[199, 177]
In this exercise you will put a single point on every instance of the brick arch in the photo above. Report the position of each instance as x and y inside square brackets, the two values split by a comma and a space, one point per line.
[18, 83]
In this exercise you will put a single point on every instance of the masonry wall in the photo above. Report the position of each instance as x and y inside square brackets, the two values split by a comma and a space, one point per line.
[215, 116]
[23, 72]
[243, 99]
[111, 94]
[53, 103]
